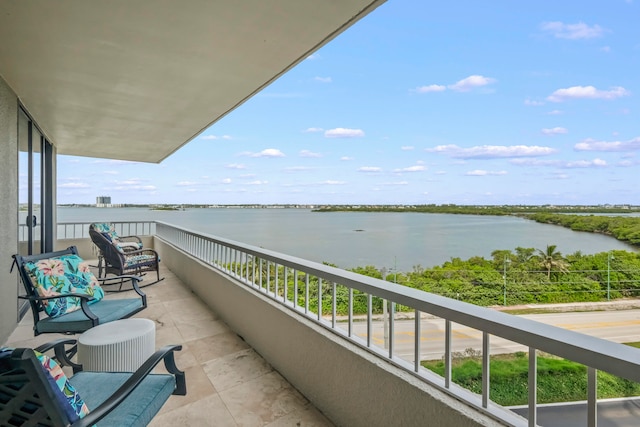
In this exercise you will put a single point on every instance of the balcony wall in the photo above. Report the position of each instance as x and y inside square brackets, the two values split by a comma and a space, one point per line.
[349, 385]
[8, 207]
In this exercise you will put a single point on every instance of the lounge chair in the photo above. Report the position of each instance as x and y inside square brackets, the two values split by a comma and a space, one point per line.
[34, 390]
[65, 297]
[124, 260]
[124, 243]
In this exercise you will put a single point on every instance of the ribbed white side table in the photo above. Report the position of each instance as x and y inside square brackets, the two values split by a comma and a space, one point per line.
[119, 346]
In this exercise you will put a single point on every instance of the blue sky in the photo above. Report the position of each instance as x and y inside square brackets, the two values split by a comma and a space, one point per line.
[462, 102]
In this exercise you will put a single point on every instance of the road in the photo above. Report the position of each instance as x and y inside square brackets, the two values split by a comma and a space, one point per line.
[618, 326]
[611, 413]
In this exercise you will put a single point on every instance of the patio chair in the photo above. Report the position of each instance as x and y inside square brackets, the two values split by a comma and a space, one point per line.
[65, 297]
[34, 390]
[123, 261]
[124, 243]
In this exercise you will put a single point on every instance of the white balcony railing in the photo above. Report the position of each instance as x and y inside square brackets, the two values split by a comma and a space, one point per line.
[249, 265]
[289, 281]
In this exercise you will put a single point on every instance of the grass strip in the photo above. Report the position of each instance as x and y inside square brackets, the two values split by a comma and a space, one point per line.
[559, 380]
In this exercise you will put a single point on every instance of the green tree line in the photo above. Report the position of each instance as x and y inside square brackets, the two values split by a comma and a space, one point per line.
[509, 277]
[623, 228]
[480, 209]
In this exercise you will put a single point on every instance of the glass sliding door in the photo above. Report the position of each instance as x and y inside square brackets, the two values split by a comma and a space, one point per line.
[35, 193]
[29, 195]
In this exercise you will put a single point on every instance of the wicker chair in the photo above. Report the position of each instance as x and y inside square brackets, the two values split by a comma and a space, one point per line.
[65, 297]
[124, 243]
[35, 391]
[124, 260]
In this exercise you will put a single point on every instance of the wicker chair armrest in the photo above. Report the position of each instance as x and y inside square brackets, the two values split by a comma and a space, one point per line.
[134, 283]
[143, 251]
[130, 239]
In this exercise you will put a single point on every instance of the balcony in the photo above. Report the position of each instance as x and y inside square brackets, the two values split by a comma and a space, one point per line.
[227, 380]
[256, 352]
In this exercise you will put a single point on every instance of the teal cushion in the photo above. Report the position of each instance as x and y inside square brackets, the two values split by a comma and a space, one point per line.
[138, 409]
[107, 311]
[63, 275]
[106, 229]
[139, 260]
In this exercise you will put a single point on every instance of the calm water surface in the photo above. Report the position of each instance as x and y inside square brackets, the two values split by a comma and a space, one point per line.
[350, 239]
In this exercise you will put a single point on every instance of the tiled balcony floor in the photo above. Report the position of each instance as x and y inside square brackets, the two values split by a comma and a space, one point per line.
[228, 383]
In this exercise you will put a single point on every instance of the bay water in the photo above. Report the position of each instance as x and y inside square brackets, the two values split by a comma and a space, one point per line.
[351, 239]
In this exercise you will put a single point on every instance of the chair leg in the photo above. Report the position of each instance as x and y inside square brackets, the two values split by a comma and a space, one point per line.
[100, 266]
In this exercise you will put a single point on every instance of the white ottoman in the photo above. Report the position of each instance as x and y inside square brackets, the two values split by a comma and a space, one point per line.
[119, 346]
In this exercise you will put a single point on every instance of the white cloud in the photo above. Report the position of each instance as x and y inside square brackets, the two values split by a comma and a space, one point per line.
[492, 151]
[627, 163]
[430, 88]
[133, 185]
[313, 130]
[559, 164]
[407, 147]
[554, 131]
[587, 92]
[369, 169]
[471, 82]
[416, 168]
[186, 183]
[586, 163]
[577, 31]
[344, 133]
[533, 103]
[307, 153]
[296, 169]
[235, 166]
[215, 137]
[555, 112]
[534, 162]
[332, 182]
[593, 145]
[480, 172]
[111, 172]
[74, 185]
[346, 158]
[396, 183]
[258, 182]
[268, 152]
[226, 181]
[323, 79]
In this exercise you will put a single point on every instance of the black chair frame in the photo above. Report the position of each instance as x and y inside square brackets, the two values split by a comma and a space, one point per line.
[36, 301]
[26, 392]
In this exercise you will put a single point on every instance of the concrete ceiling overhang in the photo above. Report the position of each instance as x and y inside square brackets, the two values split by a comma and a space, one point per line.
[138, 79]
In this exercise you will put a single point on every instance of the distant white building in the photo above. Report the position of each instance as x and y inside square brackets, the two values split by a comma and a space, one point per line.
[103, 201]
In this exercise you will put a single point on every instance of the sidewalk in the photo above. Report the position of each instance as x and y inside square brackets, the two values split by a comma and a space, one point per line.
[620, 304]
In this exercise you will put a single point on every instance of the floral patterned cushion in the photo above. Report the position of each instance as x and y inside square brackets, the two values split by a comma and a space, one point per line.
[110, 234]
[134, 260]
[66, 395]
[72, 404]
[63, 275]
[106, 229]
